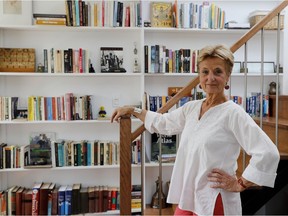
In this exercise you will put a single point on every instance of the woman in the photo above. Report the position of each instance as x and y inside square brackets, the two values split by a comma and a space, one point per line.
[213, 130]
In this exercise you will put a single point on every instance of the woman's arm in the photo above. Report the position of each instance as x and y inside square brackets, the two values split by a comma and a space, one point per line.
[121, 111]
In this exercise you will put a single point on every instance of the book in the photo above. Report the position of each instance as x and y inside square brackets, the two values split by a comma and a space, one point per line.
[18, 201]
[76, 198]
[27, 200]
[236, 25]
[91, 198]
[43, 198]
[68, 200]
[36, 198]
[168, 142]
[84, 200]
[54, 210]
[50, 198]
[112, 60]
[161, 14]
[61, 200]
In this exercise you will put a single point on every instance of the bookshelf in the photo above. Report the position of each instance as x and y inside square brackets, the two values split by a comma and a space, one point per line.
[127, 88]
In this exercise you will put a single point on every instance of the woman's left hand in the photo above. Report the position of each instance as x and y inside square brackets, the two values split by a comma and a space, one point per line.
[221, 179]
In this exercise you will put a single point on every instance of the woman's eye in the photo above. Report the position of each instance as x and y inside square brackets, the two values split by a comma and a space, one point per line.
[205, 71]
[218, 71]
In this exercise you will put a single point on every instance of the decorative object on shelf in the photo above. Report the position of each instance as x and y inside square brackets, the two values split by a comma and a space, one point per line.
[136, 65]
[161, 14]
[155, 198]
[17, 60]
[40, 68]
[16, 12]
[272, 89]
[112, 60]
[257, 15]
[91, 68]
[40, 150]
[102, 112]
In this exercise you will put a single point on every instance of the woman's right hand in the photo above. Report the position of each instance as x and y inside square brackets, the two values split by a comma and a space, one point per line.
[121, 111]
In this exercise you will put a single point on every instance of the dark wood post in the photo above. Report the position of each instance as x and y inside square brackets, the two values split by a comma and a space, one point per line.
[125, 165]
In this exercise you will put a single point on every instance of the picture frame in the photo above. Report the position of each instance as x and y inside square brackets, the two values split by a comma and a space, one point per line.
[16, 12]
[112, 60]
[255, 67]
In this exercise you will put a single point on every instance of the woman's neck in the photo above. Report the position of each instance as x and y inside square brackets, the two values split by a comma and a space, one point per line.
[213, 100]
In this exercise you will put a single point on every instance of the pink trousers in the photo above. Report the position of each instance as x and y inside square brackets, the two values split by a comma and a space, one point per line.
[218, 209]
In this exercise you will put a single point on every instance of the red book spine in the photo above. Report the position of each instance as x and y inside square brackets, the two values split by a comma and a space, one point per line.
[80, 60]
[35, 202]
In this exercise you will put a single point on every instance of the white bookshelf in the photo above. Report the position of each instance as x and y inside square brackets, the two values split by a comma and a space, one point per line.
[128, 87]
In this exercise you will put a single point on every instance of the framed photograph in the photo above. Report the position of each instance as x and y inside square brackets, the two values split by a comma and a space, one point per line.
[40, 148]
[112, 60]
[236, 67]
[15, 12]
[161, 14]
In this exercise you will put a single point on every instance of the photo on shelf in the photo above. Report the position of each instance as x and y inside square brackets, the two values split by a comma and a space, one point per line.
[40, 149]
[17, 12]
[112, 60]
[19, 110]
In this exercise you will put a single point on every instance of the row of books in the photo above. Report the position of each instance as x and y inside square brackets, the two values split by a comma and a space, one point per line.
[103, 13]
[40, 108]
[49, 19]
[160, 59]
[66, 61]
[154, 103]
[49, 199]
[49, 153]
[187, 15]
[92, 153]
[253, 104]
[86, 153]
[46, 198]
[203, 16]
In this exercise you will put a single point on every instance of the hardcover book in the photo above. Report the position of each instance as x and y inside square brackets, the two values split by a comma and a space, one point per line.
[36, 198]
[161, 14]
[112, 60]
[169, 147]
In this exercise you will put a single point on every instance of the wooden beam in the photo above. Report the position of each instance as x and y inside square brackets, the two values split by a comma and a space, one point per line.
[125, 165]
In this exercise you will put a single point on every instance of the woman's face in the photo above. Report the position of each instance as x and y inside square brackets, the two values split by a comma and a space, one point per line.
[213, 75]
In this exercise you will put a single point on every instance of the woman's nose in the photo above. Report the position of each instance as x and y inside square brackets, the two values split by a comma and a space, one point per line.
[211, 77]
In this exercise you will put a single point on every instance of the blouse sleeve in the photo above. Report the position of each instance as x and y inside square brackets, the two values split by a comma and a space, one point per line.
[167, 123]
[264, 154]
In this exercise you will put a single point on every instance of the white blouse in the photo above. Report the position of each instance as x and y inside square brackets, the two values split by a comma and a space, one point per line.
[214, 141]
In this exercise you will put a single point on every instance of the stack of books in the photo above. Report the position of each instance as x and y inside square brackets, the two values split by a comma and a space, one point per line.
[49, 19]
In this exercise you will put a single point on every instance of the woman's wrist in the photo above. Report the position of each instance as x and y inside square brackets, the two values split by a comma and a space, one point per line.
[241, 183]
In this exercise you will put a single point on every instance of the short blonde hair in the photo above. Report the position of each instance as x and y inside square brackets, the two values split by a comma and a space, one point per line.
[217, 51]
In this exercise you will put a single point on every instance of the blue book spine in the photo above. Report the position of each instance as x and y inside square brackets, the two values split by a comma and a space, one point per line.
[61, 200]
[89, 163]
[68, 200]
